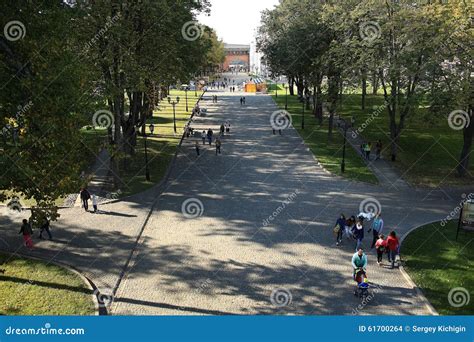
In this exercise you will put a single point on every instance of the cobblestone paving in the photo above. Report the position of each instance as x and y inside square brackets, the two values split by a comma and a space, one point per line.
[229, 260]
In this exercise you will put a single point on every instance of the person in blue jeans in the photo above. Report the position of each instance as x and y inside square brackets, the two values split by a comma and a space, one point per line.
[358, 232]
[377, 227]
[341, 222]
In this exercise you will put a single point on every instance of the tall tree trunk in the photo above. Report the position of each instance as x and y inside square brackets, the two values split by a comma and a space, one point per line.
[364, 87]
[333, 96]
[375, 83]
[468, 135]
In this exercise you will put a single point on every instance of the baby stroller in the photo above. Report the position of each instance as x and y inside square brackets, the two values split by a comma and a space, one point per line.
[362, 289]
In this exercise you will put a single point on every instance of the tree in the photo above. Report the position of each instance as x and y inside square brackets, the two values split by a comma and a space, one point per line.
[43, 100]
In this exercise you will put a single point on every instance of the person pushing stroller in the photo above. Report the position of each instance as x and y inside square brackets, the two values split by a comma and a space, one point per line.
[359, 265]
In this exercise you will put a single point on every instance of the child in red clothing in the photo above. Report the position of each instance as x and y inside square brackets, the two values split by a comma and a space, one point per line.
[392, 247]
[380, 246]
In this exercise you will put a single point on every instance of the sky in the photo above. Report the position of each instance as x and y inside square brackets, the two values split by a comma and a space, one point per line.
[236, 21]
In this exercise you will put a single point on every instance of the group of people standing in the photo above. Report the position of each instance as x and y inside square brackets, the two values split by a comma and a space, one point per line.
[353, 228]
[366, 149]
[242, 100]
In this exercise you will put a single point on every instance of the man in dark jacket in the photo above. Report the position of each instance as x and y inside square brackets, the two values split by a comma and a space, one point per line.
[85, 196]
[45, 227]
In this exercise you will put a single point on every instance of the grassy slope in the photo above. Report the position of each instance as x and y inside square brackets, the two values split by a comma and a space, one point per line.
[438, 263]
[30, 287]
[429, 148]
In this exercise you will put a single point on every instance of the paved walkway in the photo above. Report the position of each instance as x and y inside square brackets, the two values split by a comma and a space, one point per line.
[264, 234]
[386, 174]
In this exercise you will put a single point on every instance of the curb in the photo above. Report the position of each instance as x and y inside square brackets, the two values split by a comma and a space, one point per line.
[168, 169]
[123, 273]
[418, 290]
[90, 284]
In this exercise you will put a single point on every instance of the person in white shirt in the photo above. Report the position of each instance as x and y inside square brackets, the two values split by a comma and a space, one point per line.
[94, 203]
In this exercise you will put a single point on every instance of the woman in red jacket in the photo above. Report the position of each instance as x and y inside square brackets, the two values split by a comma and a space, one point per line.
[392, 247]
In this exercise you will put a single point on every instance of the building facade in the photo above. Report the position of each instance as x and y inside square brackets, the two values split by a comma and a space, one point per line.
[237, 57]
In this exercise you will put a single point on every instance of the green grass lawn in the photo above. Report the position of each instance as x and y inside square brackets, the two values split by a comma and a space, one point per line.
[429, 148]
[329, 154]
[438, 263]
[30, 287]
[161, 145]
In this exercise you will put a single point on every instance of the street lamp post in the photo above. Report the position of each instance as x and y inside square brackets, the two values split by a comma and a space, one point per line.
[286, 97]
[343, 163]
[186, 95]
[174, 103]
[147, 171]
[195, 88]
[302, 119]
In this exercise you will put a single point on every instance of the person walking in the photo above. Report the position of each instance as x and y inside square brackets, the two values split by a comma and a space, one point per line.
[369, 149]
[339, 228]
[241, 101]
[222, 128]
[392, 247]
[27, 231]
[359, 261]
[350, 224]
[196, 145]
[218, 146]
[94, 202]
[209, 136]
[380, 246]
[203, 137]
[377, 226]
[378, 149]
[358, 232]
[85, 196]
[45, 227]
[227, 127]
